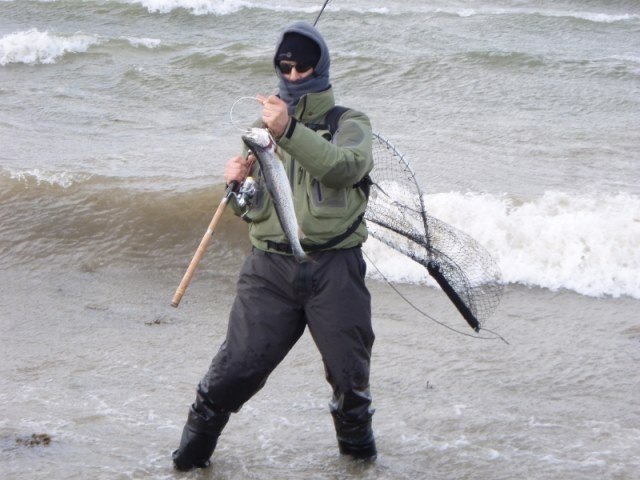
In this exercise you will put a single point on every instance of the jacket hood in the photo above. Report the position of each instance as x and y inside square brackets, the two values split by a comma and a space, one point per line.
[291, 92]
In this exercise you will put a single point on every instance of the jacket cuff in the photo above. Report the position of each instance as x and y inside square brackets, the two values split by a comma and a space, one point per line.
[292, 126]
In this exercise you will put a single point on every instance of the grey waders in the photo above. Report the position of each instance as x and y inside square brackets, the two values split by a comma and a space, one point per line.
[199, 436]
[329, 297]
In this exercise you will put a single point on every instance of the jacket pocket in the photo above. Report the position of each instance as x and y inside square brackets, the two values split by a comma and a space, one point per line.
[326, 202]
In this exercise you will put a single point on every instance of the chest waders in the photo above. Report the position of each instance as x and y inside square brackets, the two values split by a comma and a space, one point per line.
[329, 296]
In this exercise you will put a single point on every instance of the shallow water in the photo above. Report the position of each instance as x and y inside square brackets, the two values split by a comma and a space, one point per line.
[108, 372]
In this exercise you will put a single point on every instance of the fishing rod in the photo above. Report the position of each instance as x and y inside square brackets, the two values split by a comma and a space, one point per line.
[204, 243]
[319, 14]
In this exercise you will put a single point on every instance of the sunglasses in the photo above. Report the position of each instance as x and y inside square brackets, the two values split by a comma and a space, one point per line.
[286, 68]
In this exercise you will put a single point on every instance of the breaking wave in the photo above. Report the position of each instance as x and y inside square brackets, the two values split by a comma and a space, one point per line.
[586, 243]
[34, 47]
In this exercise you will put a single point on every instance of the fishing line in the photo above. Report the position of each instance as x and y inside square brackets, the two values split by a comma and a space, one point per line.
[425, 314]
[236, 124]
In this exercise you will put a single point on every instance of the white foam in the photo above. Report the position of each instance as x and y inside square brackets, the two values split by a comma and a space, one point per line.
[58, 179]
[143, 42]
[394, 266]
[33, 46]
[226, 7]
[196, 7]
[596, 17]
[588, 243]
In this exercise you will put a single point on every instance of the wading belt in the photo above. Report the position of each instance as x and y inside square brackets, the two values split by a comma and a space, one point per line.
[286, 248]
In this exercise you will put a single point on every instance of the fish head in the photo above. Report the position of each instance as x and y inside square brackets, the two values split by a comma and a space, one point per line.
[258, 139]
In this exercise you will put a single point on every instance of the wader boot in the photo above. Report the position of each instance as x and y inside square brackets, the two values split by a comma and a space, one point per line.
[352, 419]
[364, 450]
[199, 437]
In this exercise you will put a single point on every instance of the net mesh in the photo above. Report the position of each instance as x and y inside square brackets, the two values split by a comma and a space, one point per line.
[397, 217]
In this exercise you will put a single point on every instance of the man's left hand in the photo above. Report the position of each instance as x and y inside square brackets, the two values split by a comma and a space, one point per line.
[275, 115]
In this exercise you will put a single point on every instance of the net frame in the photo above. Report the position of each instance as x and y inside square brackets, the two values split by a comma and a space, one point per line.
[396, 216]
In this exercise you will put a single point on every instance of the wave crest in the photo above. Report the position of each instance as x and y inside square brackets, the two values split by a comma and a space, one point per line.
[584, 243]
[35, 47]
[587, 243]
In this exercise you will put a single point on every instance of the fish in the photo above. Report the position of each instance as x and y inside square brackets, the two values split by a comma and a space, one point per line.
[260, 142]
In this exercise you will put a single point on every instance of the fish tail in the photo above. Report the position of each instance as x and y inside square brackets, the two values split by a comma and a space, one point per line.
[302, 257]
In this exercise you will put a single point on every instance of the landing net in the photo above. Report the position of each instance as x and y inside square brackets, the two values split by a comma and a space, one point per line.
[397, 217]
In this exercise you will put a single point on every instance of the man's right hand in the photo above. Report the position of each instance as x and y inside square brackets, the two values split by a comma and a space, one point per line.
[237, 168]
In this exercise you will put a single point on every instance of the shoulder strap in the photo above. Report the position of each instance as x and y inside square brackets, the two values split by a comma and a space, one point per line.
[286, 248]
[331, 120]
[337, 239]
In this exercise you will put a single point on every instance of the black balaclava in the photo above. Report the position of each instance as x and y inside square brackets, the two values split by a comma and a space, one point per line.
[301, 42]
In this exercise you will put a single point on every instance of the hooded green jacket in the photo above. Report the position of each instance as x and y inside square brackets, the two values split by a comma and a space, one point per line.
[322, 172]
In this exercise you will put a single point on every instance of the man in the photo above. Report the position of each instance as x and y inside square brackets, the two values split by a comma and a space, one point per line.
[277, 297]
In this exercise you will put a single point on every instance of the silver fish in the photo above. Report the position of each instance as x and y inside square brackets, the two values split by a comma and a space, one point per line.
[262, 145]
